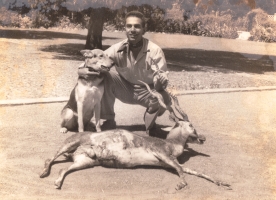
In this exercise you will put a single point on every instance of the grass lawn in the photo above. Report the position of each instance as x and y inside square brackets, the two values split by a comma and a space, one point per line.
[43, 63]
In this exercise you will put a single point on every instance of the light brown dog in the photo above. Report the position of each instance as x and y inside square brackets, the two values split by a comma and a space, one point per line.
[85, 98]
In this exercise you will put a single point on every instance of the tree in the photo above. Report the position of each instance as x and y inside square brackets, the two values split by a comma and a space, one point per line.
[114, 10]
[103, 10]
[94, 36]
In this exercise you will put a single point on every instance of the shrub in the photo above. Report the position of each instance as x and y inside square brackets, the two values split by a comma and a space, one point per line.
[9, 18]
[65, 23]
[12, 19]
[216, 25]
[263, 34]
[260, 26]
[38, 19]
[25, 22]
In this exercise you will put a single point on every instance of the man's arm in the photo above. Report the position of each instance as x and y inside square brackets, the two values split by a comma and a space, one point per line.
[84, 71]
[160, 75]
[160, 80]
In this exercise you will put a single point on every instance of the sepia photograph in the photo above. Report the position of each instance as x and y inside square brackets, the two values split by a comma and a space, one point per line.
[138, 99]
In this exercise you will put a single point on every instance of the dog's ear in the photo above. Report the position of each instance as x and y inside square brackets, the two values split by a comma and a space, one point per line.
[85, 52]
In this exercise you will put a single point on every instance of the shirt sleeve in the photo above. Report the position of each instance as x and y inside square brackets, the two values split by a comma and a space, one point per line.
[158, 63]
[110, 53]
[158, 60]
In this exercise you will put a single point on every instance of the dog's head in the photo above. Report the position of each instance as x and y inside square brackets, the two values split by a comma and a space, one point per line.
[97, 61]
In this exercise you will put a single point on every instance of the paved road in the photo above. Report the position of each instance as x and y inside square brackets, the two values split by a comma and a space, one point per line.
[240, 149]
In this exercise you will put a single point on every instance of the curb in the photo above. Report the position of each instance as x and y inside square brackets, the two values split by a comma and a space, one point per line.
[17, 102]
[228, 90]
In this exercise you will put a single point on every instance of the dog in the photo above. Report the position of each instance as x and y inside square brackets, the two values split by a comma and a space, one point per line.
[85, 98]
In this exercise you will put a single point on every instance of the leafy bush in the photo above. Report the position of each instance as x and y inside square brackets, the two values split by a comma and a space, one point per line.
[264, 34]
[260, 26]
[13, 19]
[9, 18]
[25, 22]
[217, 25]
[65, 23]
[223, 24]
[38, 19]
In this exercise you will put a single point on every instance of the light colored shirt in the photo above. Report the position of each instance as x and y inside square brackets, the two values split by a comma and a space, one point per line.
[150, 58]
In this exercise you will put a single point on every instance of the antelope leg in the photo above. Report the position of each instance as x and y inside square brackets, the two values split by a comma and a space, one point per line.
[219, 183]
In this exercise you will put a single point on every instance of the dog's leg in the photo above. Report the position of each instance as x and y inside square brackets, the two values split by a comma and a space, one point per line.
[80, 116]
[69, 121]
[97, 109]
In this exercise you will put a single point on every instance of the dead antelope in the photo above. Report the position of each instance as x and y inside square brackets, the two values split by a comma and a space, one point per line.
[123, 149]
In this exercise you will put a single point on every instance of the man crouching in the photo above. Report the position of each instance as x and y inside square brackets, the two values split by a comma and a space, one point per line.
[136, 59]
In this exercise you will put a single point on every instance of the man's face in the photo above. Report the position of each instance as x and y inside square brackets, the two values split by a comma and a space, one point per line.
[134, 29]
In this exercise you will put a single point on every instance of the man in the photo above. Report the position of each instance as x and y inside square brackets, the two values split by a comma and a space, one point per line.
[136, 58]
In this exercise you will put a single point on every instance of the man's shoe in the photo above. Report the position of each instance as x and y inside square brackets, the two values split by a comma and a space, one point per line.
[108, 125]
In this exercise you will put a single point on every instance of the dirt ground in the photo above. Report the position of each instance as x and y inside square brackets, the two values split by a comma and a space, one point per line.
[239, 127]
[240, 150]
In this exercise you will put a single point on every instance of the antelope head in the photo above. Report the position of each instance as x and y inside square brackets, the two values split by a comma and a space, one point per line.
[183, 132]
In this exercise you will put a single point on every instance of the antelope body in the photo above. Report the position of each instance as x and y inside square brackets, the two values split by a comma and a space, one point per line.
[124, 149]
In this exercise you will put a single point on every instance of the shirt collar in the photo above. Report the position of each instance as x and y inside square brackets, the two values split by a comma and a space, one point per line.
[123, 47]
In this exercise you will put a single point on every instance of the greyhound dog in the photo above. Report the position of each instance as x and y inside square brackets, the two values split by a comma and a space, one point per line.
[122, 149]
[85, 98]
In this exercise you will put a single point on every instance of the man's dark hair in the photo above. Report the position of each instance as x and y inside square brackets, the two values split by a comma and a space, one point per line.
[137, 14]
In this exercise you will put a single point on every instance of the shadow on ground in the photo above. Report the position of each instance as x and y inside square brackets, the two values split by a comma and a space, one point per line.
[69, 51]
[35, 34]
[187, 59]
[202, 60]
[178, 59]
[189, 153]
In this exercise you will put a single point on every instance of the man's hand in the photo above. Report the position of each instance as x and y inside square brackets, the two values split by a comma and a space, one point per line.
[160, 80]
[84, 71]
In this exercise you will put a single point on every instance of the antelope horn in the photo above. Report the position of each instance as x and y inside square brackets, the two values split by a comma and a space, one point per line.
[173, 117]
[162, 104]
[178, 108]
